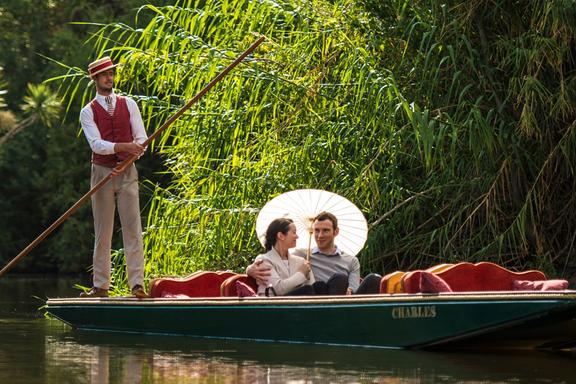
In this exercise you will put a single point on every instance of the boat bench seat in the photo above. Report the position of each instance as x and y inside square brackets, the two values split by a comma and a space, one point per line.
[392, 282]
[198, 284]
[467, 277]
[229, 287]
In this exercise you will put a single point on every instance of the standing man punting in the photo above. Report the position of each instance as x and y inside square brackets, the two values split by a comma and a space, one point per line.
[114, 129]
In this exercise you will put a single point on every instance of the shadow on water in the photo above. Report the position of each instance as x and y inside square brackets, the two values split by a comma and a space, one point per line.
[23, 296]
[38, 350]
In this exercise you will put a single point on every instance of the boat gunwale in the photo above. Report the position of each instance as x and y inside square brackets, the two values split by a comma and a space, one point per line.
[568, 295]
[555, 303]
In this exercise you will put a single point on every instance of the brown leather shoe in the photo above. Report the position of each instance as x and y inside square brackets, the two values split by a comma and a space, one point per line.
[95, 292]
[139, 292]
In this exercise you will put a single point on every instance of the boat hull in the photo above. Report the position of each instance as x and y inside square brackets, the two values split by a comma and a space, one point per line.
[508, 320]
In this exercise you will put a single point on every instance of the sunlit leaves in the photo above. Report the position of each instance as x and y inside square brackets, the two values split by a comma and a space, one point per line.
[42, 104]
[447, 124]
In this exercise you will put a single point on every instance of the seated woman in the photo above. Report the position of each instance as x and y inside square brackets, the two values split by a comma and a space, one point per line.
[290, 275]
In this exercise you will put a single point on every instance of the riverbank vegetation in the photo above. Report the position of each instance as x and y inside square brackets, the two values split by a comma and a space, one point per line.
[44, 159]
[451, 126]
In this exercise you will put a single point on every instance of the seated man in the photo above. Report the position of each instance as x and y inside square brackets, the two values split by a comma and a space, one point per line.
[336, 272]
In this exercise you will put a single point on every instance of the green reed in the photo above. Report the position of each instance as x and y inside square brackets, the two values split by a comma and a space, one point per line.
[449, 125]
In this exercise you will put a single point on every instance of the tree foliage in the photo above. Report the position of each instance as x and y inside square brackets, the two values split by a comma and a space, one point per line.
[44, 159]
[450, 125]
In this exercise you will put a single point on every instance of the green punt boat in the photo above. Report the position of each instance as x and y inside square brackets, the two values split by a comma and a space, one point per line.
[511, 320]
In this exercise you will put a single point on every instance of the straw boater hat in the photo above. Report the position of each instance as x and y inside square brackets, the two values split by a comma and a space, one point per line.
[100, 65]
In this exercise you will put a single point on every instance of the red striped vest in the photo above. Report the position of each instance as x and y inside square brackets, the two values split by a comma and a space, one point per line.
[115, 128]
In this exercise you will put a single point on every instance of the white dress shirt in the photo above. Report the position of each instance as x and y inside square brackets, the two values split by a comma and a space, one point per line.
[103, 147]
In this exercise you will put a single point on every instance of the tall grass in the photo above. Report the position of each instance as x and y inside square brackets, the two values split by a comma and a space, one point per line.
[451, 125]
[491, 118]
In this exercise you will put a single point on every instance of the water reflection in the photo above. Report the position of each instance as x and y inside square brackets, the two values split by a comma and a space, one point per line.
[37, 350]
[117, 358]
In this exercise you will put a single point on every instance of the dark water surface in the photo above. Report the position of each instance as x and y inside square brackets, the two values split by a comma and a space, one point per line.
[34, 349]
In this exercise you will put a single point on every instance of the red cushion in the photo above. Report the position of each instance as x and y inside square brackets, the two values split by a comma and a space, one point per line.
[539, 285]
[244, 290]
[430, 283]
[484, 276]
[230, 289]
[199, 284]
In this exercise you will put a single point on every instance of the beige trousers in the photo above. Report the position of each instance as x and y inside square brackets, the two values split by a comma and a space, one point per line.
[121, 191]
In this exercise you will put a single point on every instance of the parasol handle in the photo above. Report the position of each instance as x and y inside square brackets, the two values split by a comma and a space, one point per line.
[309, 244]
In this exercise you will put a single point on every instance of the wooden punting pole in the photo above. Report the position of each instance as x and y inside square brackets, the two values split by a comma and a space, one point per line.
[122, 166]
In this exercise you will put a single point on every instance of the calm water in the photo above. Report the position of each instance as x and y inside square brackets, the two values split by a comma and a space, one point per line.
[38, 350]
